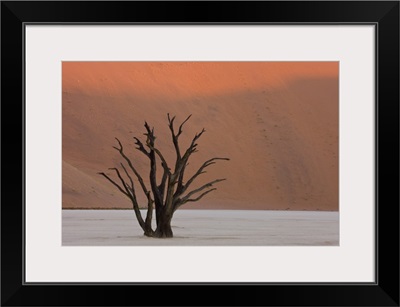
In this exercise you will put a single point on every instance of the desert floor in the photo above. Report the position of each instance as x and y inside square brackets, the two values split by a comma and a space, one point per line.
[204, 228]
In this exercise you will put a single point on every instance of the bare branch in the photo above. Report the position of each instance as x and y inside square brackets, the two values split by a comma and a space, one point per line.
[179, 188]
[123, 183]
[141, 147]
[132, 196]
[161, 187]
[207, 185]
[174, 138]
[171, 125]
[164, 162]
[180, 127]
[196, 137]
[170, 120]
[193, 144]
[181, 163]
[153, 166]
[115, 184]
[199, 172]
[179, 204]
[201, 195]
[140, 179]
[150, 134]
[150, 143]
[132, 186]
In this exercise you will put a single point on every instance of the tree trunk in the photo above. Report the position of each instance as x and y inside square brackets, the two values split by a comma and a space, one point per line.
[164, 229]
[148, 232]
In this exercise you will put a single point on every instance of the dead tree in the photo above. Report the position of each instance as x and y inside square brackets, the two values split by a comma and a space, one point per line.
[172, 191]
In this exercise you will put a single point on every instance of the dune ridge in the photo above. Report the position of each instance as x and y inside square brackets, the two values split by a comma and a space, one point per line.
[277, 122]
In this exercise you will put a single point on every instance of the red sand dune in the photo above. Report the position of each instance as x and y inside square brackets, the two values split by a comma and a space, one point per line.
[276, 121]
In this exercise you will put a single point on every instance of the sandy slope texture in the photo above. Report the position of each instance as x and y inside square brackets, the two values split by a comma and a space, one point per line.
[277, 122]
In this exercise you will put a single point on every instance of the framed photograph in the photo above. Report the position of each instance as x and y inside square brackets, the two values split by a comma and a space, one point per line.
[241, 146]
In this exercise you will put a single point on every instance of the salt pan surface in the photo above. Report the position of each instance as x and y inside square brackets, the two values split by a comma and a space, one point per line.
[204, 228]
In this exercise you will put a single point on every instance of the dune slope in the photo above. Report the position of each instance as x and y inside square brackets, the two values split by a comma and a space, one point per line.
[277, 122]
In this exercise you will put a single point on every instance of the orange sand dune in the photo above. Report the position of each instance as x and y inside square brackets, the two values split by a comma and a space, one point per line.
[277, 122]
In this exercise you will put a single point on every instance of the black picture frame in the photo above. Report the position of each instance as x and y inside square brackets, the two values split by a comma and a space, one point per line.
[383, 14]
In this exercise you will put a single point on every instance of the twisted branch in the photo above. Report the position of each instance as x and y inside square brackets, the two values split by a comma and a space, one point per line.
[140, 179]
[207, 185]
